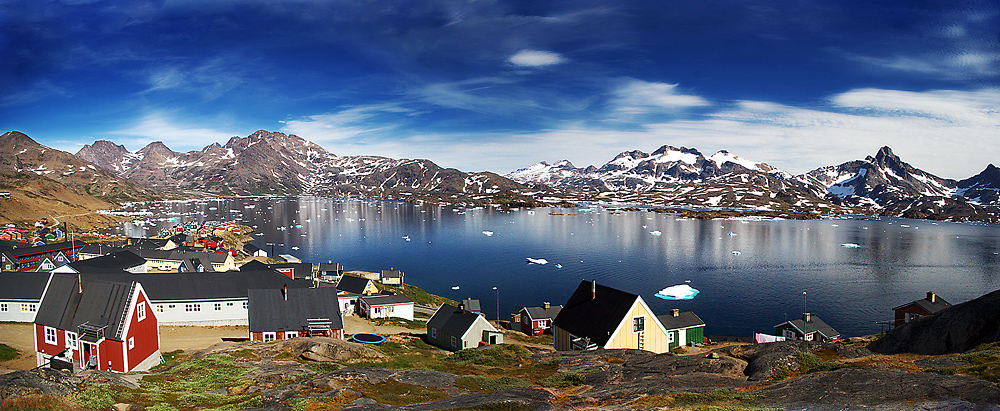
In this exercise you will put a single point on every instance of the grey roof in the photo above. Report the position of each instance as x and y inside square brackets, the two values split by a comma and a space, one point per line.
[120, 260]
[102, 304]
[682, 320]
[181, 254]
[250, 248]
[16, 285]
[27, 249]
[326, 267]
[539, 313]
[269, 311]
[392, 274]
[100, 248]
[452, 320]
[197, 286]
[925, 304]
[472, 305]
[596, 318]
[352, 284]
[386, 299]
[815, 324]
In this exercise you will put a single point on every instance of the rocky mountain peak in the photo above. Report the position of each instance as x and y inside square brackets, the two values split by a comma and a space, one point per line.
[18, 140]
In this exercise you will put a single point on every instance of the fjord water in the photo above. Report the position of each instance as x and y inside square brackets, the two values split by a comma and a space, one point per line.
[751, 290]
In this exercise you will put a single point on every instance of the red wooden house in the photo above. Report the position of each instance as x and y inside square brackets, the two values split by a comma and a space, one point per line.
[916, 309]
[92, 324]
[538, 320]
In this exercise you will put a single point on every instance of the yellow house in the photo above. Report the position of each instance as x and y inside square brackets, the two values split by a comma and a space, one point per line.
[597, 316]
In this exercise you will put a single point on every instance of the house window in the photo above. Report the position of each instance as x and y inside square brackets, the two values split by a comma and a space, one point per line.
[192, 307]
[245, 305]
[809, 337]
[454, 341]
[434, 332]
[28, 308]
[71, 340]
[218, 306]
[788, 334]
[269, 337]
[140, 311]
[229, 304]
[50, 336]
[291, 334]
[638, 324]
[171, 306]
[670, 337]
[159, 308]
[3, 307]
[131, 342]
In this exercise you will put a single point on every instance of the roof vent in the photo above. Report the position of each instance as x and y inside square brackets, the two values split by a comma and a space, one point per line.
[675, 312]
[931, 297]
[806, 317]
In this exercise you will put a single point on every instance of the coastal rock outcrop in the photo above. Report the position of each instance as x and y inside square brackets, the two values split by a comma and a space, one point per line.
[958, 328]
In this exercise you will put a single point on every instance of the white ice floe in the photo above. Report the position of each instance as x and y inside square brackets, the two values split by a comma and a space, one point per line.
[540, 261]
[731, 233]
[558, 265]
[677, 292]
[850, 245]
[488, 233]
[455, 287]
[655, 232]
[736, 252]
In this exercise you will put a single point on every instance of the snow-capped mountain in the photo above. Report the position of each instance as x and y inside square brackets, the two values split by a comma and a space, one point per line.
[267, 163]
[683, 177]
[982, 188]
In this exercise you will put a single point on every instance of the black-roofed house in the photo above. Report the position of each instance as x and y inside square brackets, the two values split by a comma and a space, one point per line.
[331, 270]
[391, 277]
[683, 328]
[385, 306]
[30, 258]
[356, 285]
[919, 308]
[93, 324]
[453, 329]
[279, 314]
[121, 260]
[20, 294]
[253, 250]
[597, 316]
[808, 328]
[172, 260]
[538, 320]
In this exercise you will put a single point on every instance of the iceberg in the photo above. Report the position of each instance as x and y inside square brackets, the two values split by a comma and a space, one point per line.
[657, 232]
[850, 245]
[455, 287]
[677, 292]
[540, 261]
[488, 233]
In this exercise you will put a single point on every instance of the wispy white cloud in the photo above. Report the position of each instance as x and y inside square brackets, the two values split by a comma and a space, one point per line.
[210, 80]
[535, 58]
[349, 129]
[161, 127]
[639, 97]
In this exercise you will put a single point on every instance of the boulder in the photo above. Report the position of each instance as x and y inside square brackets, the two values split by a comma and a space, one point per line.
[958, 328]
[45, 381]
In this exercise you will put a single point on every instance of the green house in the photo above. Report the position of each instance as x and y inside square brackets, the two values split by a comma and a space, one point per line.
[683, 328]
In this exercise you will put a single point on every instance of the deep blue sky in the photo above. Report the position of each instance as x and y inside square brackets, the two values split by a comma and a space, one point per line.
[501, 85]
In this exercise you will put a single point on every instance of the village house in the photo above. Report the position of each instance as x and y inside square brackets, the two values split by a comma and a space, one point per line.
[385, 306]
[92, 324]
[453, 329]
[919, 308]
[330, 270]
[290, 270]
[253, 250]
[472, 305]
[280, 314]
[683, 328]
[391, 277]
[808, 328]
[28, 258]
[597, 316]
[20, 294]
[96, 250]
[177, 298]
[538, 320]
[121, 260]
[356, 285]
[173, 260]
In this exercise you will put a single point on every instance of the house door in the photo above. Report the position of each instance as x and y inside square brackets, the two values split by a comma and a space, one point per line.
[493, 339]
[88, 358]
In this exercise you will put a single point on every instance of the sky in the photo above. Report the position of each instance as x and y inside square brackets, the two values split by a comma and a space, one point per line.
[497, 86]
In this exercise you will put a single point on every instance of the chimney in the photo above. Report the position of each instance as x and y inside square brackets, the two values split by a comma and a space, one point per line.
[931, 297]
[593, 290]
[675, 312]
[545, 305]
[806, 317]
[284, 292]
[461, 307]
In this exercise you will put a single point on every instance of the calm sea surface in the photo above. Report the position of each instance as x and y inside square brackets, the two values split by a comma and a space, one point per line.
[749, 280]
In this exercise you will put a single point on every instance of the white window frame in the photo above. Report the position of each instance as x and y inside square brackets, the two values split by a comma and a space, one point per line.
[246, 305]
[642, 323]
[218, 306]
[291, 334]
[434, 332]
[71, 340]
[3, 307]
[50, 336]
[140, 311]
[265, 336]
[788, 334]
[131, 343]
[809, 337]
[670, 337]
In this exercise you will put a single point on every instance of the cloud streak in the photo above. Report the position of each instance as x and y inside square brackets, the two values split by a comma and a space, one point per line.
[535, 58]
